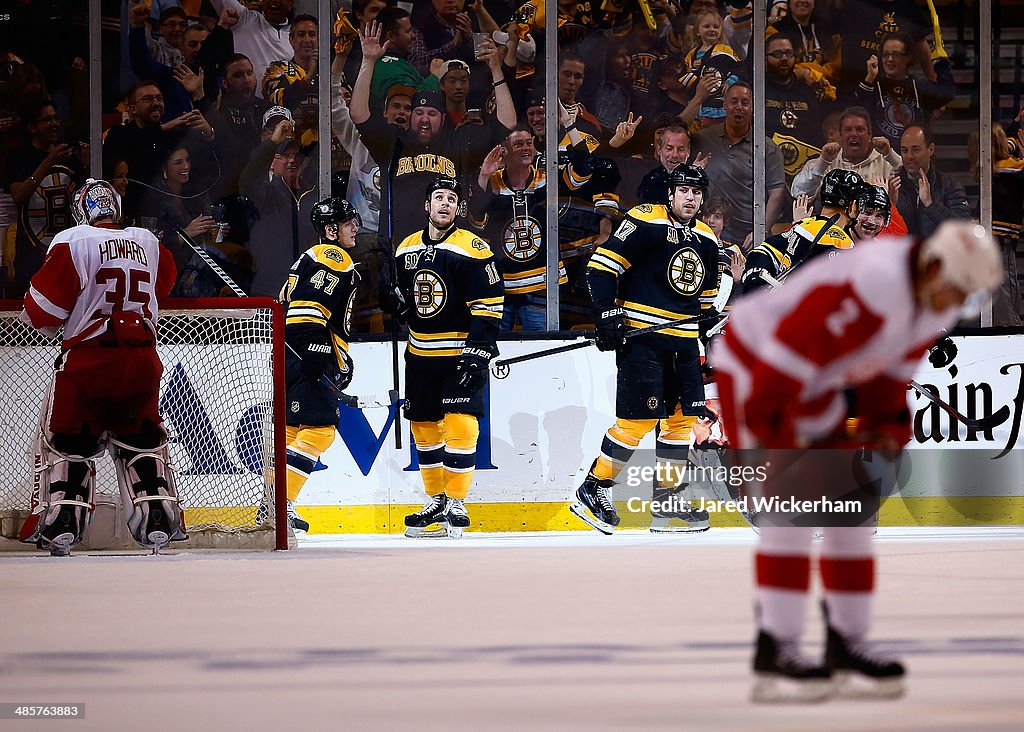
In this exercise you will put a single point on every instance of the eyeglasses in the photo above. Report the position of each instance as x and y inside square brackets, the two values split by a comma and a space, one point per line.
[150, 98]
[892, 54]
[782, 54]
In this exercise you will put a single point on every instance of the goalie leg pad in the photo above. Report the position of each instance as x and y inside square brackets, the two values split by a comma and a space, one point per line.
[67, 482]
[148, 490]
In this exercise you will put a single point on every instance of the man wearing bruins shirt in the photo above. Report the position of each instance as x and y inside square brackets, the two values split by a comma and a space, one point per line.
[450, 293]
[318, 295]
[418, 154]
[509, 205]
[660, 265]
[780, 253]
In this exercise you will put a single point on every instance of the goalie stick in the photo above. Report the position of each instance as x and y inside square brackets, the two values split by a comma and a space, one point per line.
[363, 401]
[500, 367]
[981, 424]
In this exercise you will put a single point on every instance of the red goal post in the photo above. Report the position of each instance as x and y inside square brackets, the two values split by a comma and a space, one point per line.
[222, 398]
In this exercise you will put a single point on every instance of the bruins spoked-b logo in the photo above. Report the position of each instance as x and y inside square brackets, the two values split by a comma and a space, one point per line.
[686, 271]
[428, 293]
[521, 240]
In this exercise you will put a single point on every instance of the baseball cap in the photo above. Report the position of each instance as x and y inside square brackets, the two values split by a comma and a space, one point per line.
[429, 99]
[535, 98]
[273, 112]
[453, 65]
[397, 89]
[664, 65]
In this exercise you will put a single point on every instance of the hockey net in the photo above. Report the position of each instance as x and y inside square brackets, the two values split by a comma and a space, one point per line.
[222, 401]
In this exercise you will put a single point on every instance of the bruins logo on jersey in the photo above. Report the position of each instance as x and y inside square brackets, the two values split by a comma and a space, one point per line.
[686, 272]
[429, 293]
[521, 240]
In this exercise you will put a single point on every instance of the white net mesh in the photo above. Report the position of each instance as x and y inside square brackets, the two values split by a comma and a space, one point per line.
[216, 399]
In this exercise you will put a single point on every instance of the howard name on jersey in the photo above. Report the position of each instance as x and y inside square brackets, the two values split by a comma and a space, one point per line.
[780, 253]
[319, 293]
[455, 293]
[92, 271]
[658, 269]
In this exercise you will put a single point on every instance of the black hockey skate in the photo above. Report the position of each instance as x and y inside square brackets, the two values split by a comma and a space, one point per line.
[594, 504]
[295, 522]
[859, 672]
[457, 516]
[781, 674]
[673, 513]
[61, 535]
[430, 521]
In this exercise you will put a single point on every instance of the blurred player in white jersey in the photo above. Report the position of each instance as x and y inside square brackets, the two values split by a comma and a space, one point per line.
[862, 323]
[101, 282]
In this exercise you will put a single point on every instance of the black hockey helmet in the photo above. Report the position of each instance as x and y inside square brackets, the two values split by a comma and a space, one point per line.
[331, 210]
[688, 175]
[444, 183]
[875, 197]
[841, 187]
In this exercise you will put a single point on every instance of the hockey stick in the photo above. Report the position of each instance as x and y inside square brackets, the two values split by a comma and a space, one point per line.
[982, 424]
[500, 367]
[388, 180]
[349, 400]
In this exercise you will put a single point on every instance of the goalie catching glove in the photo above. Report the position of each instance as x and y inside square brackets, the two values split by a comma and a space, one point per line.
[471, 370]
[611, 329]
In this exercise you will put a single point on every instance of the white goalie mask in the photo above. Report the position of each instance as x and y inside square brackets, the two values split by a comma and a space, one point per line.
[95, 200]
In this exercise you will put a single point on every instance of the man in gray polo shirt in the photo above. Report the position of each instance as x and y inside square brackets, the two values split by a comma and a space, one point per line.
[731, 165]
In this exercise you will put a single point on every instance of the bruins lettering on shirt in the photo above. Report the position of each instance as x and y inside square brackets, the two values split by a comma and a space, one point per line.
[318, 295]
[425, 163]
[455, 292]
[658, 269]
[780, 253]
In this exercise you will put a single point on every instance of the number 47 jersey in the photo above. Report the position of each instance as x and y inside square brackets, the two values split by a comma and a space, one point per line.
[93, 272]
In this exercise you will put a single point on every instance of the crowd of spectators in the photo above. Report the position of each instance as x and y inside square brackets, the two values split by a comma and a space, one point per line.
[216, 135]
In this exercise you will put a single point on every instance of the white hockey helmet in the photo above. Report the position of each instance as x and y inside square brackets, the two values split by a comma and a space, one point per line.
[96, 199]
[969, 256]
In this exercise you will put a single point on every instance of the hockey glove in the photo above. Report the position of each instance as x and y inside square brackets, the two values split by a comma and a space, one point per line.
[316, 359]
[942, 353]
[346, 369]
[611, 329]
[392, 300]
[471, 369]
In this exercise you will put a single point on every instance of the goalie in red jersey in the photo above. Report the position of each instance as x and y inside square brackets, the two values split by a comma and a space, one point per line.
[101, 282]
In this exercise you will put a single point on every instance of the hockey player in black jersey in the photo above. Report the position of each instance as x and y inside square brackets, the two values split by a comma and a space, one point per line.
[874, 211]
[450, 293]
[780, 253]
[318, 295]
[660, 265]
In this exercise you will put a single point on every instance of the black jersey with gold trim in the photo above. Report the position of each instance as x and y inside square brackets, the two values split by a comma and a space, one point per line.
[658, 269]
[780, 253]
[515, 222]
[454, 290]
[318, 296]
